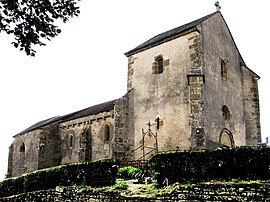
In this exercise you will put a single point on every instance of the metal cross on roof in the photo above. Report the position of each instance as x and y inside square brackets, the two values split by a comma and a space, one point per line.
[218, 7]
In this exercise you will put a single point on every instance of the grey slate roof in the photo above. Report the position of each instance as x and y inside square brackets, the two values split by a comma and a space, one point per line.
[103, 107]
[40, 124]
[161, 37]
[96, 109]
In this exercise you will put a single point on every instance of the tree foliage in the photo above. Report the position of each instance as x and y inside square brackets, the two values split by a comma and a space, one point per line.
[34, 21]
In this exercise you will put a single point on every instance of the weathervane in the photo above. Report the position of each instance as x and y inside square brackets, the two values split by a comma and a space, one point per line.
[218, 7]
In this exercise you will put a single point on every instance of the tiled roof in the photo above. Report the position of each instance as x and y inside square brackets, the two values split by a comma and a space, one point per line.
[40, 124]
[161, 37]
[104, 107]
[96, 109]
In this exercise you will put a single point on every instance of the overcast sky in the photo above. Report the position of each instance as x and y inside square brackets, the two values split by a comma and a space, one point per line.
[85, 65]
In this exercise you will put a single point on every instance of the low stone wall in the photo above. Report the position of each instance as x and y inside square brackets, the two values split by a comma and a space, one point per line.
[203, 192]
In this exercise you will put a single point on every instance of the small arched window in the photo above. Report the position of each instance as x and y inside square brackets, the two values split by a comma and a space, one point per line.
[226, 138]
[226, 112]
[107, 131]
[160, 65]
[223, 66]
[22, 148]
[71, 140]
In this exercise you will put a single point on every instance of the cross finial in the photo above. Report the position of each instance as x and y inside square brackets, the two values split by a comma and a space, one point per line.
[149, 124]
[218, 7]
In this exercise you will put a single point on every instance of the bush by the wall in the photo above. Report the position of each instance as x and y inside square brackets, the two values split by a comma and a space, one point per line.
[93, 173]
[244, 163]
[130, 172]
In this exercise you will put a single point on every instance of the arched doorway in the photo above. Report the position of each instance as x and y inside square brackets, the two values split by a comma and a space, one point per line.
[226, 138]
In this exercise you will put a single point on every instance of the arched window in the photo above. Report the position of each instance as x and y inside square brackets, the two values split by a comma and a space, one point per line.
[223, 67]
[107, 131]
[22, 148]
[226, 112]
[71, 140]
[159, 65]
[21, 163]
[226, 138]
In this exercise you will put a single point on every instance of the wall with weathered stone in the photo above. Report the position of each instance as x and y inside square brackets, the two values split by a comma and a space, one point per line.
[164, 95]
[218, 45]
[87, 138]
[123, 144]
[49, 149]
[251, 105]
[40, 150]
[196, 82]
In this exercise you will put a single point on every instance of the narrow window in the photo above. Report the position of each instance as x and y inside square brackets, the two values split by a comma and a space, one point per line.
[22, 158]
[160, 65]
[158, 122]
[107, 132]
[225, 112]
[223, 66]
[22, 148]
[71, 140]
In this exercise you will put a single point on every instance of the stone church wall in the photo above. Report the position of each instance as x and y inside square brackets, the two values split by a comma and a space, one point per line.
[49, 149]
[123, 145]
[83, 138]
[196, 82]
[163, 95]
[27, 160]
[252, 107]
[34, 150]
[222, 90]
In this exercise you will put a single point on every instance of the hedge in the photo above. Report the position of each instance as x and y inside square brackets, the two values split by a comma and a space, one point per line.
[93, 173]
[243, 163]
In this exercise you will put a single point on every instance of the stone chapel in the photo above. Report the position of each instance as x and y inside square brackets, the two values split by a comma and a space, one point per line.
[187, 88]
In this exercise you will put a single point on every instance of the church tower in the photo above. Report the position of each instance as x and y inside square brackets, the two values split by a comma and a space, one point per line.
[188, 91]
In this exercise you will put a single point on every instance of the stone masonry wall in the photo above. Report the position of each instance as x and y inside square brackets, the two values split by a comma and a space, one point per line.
[123, 145]
[34, 150]
[196, 111]
[220, 90]
[28, 160]
[203, 192]
[164, 95]
[252, 106]
[196, 79]
[87, 138]
[49, 150]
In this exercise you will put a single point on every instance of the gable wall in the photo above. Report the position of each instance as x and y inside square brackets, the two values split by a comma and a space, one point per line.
[217, 45]
[164, 95]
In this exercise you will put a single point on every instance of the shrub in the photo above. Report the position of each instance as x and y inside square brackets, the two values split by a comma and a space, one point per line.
[245, 163]
[93, 173]
[130, 172]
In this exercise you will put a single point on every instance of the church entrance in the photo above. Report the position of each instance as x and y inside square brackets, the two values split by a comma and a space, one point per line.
[226, 138]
